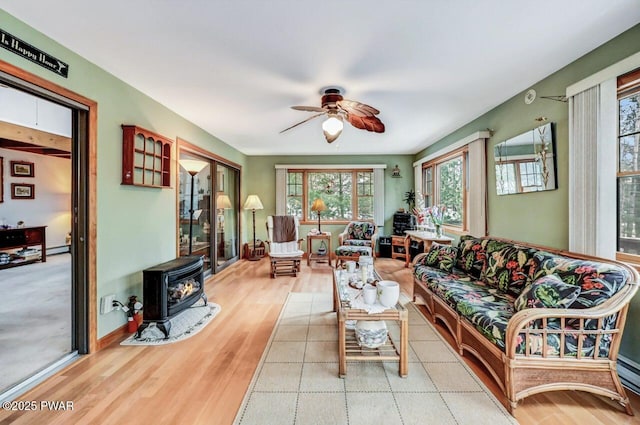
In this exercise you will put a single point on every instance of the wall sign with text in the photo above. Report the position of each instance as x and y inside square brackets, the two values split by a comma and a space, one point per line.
[35, 55]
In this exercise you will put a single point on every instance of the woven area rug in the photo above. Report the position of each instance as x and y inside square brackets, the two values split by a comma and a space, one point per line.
[184, 325]
[296, 381]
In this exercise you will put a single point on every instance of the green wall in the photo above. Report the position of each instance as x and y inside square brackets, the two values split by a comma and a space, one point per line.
[543, 217]
[261, 178]
[136, 226]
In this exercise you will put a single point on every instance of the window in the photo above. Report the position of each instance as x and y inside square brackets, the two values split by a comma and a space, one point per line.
[444, 183]
[348, 194]
[629, 164]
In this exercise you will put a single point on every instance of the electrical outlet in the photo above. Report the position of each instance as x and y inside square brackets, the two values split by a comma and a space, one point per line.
[106, 303]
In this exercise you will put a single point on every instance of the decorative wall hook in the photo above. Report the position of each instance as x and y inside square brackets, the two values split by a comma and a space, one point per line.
[556, 98]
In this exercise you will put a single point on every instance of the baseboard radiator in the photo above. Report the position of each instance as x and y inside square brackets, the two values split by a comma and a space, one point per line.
[629, 372]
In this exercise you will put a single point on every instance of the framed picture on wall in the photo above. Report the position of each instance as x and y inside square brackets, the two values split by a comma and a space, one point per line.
[22, 169]
[22, 191]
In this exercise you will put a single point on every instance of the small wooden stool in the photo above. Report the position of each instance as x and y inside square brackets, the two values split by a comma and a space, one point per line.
[284, 266]
[351, 253]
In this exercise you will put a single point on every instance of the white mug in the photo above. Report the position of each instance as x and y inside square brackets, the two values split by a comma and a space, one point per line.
[369, 294]
[389, 292]
[351, 266]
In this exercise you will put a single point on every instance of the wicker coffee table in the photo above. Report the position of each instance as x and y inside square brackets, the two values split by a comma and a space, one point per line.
[348, 347]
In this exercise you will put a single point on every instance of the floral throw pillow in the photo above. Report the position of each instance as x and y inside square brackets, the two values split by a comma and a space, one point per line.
[547, 292]
[441, 256]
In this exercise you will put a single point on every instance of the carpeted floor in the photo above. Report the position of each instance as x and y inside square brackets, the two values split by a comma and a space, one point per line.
[35, 317]
[297, 379]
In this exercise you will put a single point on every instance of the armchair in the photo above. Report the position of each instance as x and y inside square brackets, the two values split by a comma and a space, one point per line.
[358, 238]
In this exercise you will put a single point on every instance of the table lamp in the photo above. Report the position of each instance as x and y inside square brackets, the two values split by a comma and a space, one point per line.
[318, 206]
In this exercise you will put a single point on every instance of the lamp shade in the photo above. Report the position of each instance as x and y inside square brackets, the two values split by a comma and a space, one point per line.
[193, 166]
[318, 205]
[253, 203]
[333, 125]
[223, 202]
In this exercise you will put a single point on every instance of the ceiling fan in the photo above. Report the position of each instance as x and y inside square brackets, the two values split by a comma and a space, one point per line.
[337, 109]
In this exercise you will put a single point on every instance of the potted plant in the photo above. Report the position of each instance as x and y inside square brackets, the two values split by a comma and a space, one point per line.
[410, 199]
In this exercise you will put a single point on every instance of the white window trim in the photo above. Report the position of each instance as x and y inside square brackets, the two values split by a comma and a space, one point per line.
[476, 178]
[592, 215]
[378, 184]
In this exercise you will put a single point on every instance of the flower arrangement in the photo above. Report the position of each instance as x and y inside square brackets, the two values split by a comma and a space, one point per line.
[436, 213]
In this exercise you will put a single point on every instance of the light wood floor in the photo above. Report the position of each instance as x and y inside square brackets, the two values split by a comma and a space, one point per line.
[202, 380]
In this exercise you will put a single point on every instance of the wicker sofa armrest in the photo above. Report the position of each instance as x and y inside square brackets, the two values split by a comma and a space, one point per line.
[572, 323]
[417, 259]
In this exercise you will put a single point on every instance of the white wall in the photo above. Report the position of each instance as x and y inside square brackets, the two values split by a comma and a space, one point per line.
[52, 204]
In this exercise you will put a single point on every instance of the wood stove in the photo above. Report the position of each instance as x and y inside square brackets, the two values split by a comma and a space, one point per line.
[170, 288]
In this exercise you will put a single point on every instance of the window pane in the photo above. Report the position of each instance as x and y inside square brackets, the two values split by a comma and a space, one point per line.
[530, 176]
[629, 214]
[506, 178]
[294, 193]
[365, 208]
[365, 184]
[450, 180]
[629, 153]
[335, 189]
[428, 186]
[294, 206]
[629, 115]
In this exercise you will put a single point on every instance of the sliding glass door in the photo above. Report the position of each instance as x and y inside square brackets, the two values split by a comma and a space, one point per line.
[208, 210]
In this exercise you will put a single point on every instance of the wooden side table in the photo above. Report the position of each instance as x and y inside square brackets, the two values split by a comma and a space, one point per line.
[400, 248]
[311, 256]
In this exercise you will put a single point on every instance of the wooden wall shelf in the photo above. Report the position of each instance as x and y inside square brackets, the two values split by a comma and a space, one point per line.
[146, 158]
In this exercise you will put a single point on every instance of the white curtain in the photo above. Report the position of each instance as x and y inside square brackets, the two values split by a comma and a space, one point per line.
[281, 191]
[592, 171]
[378, 199]
[477, 183]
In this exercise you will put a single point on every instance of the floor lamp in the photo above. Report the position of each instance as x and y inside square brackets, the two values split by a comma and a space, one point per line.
[253, 203]
[192, 167]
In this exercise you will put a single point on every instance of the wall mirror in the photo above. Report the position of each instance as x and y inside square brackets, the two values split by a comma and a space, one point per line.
[527, 162]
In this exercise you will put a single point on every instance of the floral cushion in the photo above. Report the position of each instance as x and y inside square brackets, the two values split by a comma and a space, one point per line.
[547, 292]
[360, 230]
[345, 250]
[357, 242]
[471, 255]
[598, 281]
[441, 256]
[509, 268]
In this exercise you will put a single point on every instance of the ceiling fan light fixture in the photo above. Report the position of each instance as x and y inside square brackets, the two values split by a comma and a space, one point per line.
[333, 125]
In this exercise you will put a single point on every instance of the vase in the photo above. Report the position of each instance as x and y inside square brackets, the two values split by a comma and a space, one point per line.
[438, 231]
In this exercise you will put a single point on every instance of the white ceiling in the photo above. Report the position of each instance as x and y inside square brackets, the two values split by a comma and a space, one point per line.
[234, 67]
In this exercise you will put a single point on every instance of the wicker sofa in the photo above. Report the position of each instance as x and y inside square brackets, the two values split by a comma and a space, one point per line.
[538, 319]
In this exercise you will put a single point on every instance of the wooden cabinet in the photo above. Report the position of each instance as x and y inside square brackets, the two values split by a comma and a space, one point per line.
[400, 248]
[11, 239]
[146, 157]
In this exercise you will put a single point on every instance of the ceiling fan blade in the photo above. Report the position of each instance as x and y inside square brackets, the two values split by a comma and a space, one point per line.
[366, 123]
[304, 121]
[357, 108]
[309, 108]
